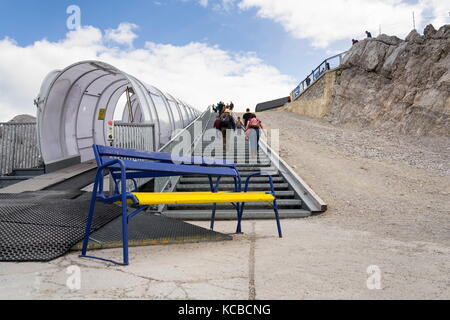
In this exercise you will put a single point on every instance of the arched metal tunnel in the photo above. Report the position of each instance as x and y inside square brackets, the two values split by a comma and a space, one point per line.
[75, 105]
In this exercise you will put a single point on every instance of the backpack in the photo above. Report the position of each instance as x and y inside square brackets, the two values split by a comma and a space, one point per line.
[253, 123]
[225, 121]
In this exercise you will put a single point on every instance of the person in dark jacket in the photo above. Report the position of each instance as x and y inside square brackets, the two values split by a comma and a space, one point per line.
[220, 107]
[369, 35]
[247, 116]
[226, 123]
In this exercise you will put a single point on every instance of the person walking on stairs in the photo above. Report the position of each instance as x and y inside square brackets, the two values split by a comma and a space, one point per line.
[253, 131]
[226, 123]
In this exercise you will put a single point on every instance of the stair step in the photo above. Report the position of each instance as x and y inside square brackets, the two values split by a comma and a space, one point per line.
[200, 215]
[230, 187]
[282, 204]
[14, 178]
[29, 172]
[246, 173]
[190, 180]
[239, 155]
[6, 181]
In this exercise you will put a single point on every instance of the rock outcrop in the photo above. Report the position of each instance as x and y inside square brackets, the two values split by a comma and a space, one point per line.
[400, 85]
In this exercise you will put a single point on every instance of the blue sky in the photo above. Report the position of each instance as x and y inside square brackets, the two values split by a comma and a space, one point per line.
[167, 21]
[247, 51]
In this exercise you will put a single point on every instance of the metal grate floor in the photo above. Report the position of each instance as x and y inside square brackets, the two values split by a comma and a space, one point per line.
[39, 227]
[42, 226]
[151, 229]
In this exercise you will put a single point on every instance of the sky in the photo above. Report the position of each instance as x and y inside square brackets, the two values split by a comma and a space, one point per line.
[202, 51]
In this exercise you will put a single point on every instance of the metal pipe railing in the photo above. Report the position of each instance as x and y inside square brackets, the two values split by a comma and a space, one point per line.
[201, 122]
[328, 64]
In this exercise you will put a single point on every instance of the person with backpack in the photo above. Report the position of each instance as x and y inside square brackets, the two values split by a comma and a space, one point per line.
[226, 123]
[253, 131]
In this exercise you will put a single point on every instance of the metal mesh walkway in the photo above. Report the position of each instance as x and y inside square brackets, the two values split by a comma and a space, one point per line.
[43, 226]
[151, 229]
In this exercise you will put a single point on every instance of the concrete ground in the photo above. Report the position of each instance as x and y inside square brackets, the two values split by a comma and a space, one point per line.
[312, 261]
[386, 234]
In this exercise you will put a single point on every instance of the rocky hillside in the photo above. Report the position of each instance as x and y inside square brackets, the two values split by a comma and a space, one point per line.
[395, 84]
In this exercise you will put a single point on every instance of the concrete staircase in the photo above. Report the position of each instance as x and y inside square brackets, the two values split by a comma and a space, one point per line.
[289, 203]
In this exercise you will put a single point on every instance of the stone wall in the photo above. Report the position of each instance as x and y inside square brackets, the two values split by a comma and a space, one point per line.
[316, 99]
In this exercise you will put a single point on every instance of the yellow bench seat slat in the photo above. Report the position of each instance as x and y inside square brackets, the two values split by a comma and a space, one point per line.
[200, 197]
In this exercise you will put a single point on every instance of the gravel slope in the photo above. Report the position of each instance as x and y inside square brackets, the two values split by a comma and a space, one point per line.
[394, 186]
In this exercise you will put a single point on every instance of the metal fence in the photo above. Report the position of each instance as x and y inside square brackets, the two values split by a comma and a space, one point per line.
[327, 65]
[134, 136]
[18, 147]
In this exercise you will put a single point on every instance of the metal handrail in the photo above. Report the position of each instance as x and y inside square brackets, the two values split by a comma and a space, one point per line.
[168, 184]
[328, 64]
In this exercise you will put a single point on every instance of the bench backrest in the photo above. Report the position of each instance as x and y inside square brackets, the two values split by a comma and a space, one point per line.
[102, 153]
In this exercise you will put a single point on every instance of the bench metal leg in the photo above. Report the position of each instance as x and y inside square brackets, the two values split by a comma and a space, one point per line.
[124, 221]
[214, 189]
[277, 217]
[87, 231]
[125, 232]
[124, 218]
[275, 204]
[240, 213]
[213, 216]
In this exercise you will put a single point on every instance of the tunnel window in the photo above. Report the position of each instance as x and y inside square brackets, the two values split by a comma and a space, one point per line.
[164, 119]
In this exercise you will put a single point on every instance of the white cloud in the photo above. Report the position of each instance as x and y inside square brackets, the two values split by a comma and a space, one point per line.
[203, 3]
[218, 5]
[124, 34]
[325, 21]
[197, 73]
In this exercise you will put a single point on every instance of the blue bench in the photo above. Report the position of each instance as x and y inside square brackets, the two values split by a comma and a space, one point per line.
[129, 164]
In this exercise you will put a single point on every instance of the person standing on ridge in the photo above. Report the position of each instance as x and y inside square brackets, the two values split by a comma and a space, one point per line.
[369, 35]
[308, 81]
